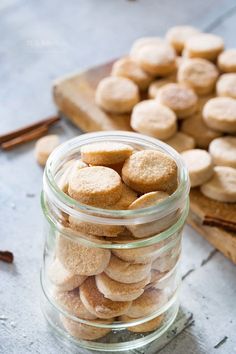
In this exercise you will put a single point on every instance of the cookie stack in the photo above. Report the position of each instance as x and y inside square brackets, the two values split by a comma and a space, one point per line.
[182, 89]
[96, 283]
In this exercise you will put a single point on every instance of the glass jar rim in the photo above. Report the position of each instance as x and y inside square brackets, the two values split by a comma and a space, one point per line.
[100, 215]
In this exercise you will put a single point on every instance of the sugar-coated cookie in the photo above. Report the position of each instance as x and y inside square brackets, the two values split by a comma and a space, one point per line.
[105, 153]
[204, 45]
[90, 228]
[140, 42]
[126, 272]
[227, 61]
[166, 261]
[157, 84]
[178, 35]
[98, 304]
[44, 147]
[153, 227]
[223, 151]
[154, 119]
[222, 186]
[200, 166]
[196, 127]
[219, 113]
[99, 186]
[182, 100]
[128, 196]
[156, 58]
[70, 301]
[199, 74]
[79, 259]
[116, 94]
[226, 85]
[149, 302]
[156, 276]
[66, 171]
[126, 67]
[143, 327]
[150, 170]
[181, 141]
[143, 255]
[117, 291]
[148, 199]
[62, 278]
[83, 331]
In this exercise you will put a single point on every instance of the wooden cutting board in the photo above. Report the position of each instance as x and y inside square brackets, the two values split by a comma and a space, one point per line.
[74, 96]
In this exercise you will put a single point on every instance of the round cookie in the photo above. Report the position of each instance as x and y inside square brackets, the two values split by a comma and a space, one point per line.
[155, 58]
[126, 67]
[117, 291]
[79, 259]
[196, 127]
[128, 196]
[105, 153]
[156, 276]
[83, 331]
[116, 94]
[89, 228]
[226, 85]
[154, 227]
[222, 186]
[219, 113]
[66, 171]
[150, 170]
[97, 304]
[200, 166]
[144, 255]
[166, 261]
[62, 278]
[70, 301]
[204, 45]
[125, 272]
[146, 304]
[154, 119]
[182, 100]
[44, 147]
[223, 151]
[178, 35]
[148, 199]
[227, 61]
[181, 142]
[143, 327]
[140, 42]
[157, 84]
[199, 74]
[98, 186]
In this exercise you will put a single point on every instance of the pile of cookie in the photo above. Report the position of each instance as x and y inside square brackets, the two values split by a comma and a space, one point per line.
[182, 90]
[102, 284]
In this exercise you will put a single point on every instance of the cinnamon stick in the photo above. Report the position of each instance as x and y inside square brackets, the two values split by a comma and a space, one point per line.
[24, 138]
[19, 132]
[6, 256]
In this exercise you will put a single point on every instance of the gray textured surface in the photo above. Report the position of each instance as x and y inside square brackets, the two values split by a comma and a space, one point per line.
[39, 42]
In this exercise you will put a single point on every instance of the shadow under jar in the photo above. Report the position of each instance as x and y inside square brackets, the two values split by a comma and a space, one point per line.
[104, 288]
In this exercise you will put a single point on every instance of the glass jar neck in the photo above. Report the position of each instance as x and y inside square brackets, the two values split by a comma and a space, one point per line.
[71, 150]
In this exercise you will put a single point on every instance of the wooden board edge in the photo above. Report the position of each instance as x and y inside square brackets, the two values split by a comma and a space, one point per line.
[222, 240]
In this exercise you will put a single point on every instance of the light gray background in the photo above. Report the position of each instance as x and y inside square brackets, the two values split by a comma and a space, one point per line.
[39, 42]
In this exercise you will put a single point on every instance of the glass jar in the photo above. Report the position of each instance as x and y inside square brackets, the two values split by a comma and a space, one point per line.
[110, 278]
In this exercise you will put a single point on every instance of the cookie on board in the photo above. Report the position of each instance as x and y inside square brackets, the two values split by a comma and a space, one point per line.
[116, 94]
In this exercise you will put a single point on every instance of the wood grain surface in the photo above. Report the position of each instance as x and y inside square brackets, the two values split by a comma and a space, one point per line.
[41, 41]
